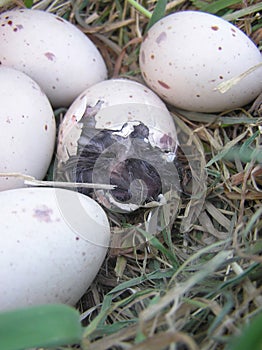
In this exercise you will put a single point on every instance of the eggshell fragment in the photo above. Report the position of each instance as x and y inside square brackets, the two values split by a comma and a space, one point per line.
[185, 56]
[52, 51]
[53, 242]
[115, 102]
[27, 128]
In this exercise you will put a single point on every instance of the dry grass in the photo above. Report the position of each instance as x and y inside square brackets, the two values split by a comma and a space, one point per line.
[181, 290]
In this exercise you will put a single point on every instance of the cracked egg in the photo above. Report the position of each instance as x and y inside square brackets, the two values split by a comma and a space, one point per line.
[119, 133]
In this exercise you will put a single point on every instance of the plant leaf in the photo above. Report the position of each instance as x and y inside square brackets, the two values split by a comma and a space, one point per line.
[250, 337]
[158, 13]
[39, 326]
[226, 149]
[218, 5]
[28, 3]
[243, 12]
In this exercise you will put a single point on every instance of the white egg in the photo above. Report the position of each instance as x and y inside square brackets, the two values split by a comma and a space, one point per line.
[53, 242]
[186, 56]
[118, 132]
[27, 128]
[52, 51]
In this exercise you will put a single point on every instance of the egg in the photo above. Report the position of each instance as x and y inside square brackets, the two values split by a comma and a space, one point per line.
[118, 132]
[53, 242]
[27, 128]
[185, 57]
[52, 51]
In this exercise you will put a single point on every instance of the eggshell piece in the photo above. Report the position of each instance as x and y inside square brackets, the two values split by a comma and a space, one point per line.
[186, 55]
[53, 242]
[52, 51]
[115, 102]
[27, 128]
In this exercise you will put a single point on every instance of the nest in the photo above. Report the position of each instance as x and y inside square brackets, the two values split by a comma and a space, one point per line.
[198, 282]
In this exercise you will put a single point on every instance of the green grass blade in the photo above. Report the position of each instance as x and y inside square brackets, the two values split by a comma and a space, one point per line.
[159, 12]
[154, 241]
[140, 8]
[225, 151]
[39, 326]
[243, 12]
[229, 304]
[217, 119]
[101, 317]
[245, 153]
[28, 3]
[246, 145]
[250, 338]
[154, 275]
[216, 6]
[109, 329]
[234, 281]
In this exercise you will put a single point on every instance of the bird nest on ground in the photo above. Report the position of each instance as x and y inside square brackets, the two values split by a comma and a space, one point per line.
[198, 282]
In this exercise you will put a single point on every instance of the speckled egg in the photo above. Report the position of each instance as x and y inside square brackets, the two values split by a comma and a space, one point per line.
[27, 128]
[52, 51]
[53, 242]
[185, 57]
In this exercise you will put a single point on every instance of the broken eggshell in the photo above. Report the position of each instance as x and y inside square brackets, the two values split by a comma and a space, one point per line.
[52, 51]
[186, 55]
[119, 132]
[53, 243]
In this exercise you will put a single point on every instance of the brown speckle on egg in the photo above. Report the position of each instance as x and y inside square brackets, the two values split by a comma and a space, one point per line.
[18, 27]
[59, 19]
[162, 37]
[43, 214]
[143, 57]
[163, 84]
[233, 32]
[50, 56]
[144, 75]
[166, 140]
